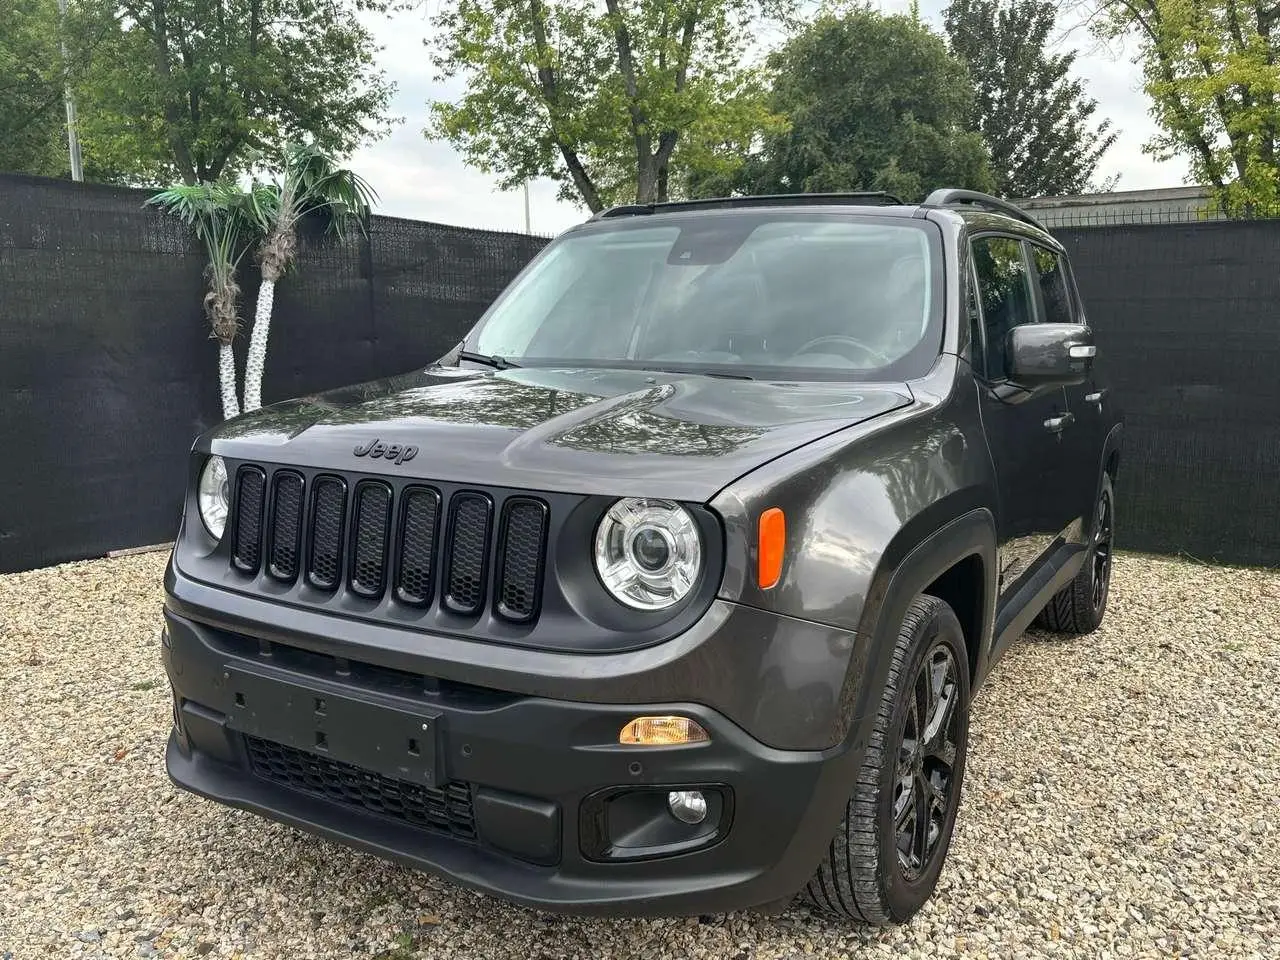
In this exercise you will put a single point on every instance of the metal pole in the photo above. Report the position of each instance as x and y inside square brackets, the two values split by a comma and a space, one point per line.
[73, 138]
[527, 227]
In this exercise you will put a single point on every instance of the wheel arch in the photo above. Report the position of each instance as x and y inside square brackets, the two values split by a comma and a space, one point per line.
[941, 561]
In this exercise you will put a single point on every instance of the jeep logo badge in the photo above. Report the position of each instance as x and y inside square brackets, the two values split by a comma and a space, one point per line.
[395, 452]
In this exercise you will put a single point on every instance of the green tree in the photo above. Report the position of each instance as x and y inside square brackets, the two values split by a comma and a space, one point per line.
[1212, 71]
[875, 103]
[220, 216]
[1035, 118]
[617, 102]
[32, 80]
[194, 90]
[311, 182]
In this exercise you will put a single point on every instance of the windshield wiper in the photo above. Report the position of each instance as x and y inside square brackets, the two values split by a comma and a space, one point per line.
[498, 363]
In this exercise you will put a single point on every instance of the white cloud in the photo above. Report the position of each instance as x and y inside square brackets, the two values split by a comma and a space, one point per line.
[422, 180]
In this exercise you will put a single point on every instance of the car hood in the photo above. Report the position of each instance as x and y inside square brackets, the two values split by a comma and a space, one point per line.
[619, 432]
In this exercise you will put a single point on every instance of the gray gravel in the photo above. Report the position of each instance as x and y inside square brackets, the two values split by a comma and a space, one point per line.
[1121, 801]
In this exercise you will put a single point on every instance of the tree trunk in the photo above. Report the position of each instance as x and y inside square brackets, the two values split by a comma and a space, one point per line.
[257, 356]
[646, 178]
[227, 380]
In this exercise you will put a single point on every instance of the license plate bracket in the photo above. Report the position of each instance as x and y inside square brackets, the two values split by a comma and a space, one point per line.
[402, 742]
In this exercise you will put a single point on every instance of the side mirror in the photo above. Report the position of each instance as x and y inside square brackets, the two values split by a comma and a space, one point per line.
[1049, 354]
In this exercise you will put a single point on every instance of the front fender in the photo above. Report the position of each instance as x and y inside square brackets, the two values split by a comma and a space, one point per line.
[873, 517]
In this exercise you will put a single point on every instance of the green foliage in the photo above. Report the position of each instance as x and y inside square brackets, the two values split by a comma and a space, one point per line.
[311, 182]
[219, 214]
[1034, 117]
[194, 89]
[32, 112]
[875, 103]
[618, 102]
[1212, 71]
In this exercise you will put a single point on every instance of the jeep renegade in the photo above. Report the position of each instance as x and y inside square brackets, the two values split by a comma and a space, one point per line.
[667, 589]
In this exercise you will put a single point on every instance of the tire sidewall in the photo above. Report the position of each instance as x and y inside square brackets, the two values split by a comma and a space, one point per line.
[901, 897]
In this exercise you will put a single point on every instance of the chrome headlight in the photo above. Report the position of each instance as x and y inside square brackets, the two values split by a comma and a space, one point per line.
[214, 496]
[648, 553]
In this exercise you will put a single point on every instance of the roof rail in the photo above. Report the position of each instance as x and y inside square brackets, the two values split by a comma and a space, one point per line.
[953, 197]
[871, 198]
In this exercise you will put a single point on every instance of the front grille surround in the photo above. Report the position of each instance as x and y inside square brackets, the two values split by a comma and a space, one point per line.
[393, 549]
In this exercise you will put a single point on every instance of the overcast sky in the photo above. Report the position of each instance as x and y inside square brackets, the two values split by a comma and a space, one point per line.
[423, 180]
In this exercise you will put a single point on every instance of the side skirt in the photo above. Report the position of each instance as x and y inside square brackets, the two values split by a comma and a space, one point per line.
[1017, 612]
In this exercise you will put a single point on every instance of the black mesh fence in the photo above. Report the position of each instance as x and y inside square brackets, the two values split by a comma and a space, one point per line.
[106, 371]
[1187, 319]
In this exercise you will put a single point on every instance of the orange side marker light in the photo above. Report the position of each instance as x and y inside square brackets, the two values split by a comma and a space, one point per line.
[773, 543]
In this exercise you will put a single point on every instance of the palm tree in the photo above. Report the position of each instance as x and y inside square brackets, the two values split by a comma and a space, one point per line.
[311, 182]
[218, 214]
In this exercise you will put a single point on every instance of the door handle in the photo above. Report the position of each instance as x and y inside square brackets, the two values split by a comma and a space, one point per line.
[1059, 423]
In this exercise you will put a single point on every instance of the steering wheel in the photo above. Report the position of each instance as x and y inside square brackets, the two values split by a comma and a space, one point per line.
[839, 340]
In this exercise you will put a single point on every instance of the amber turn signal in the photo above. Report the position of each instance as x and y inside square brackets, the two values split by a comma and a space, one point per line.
[772, 544]
[662, 732]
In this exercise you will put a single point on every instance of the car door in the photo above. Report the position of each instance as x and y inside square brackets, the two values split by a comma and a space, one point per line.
[1024, 429]
[1086, 401]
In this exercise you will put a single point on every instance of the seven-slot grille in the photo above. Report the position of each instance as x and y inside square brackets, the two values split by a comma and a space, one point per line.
[416, 544]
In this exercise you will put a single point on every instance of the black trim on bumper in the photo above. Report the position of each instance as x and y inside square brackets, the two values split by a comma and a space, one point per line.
[530, 763]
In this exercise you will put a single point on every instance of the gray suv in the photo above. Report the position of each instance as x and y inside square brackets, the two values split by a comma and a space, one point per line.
[665, 591]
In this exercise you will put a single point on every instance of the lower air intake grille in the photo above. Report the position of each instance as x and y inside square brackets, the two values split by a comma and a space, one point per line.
[247, 552]
[447, 809]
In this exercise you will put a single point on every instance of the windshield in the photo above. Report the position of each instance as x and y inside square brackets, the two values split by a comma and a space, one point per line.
[746, 295]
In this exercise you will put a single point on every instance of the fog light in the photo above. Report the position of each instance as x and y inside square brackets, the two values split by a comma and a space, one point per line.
[662, 732]
[687, 806]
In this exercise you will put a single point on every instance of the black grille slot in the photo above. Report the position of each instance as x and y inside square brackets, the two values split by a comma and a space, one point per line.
[469, 520]
[520, 551]
[371, 527]
[286, 526]
[247, 552]
[419, 521]
[328, 507]
[447, 809]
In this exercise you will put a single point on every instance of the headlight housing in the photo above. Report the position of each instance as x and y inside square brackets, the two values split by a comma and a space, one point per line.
[648, 553]
[213, 494]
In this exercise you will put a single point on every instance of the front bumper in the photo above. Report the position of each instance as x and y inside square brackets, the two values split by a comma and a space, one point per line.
[512, 794]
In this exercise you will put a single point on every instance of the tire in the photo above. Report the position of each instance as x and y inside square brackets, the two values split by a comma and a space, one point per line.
[1078, 608]
[864, 877]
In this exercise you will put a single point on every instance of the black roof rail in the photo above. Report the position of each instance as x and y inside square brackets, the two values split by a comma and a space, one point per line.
[870, 198]
[953, 197]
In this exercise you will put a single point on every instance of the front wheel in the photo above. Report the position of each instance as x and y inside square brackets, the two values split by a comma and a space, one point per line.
[887, 854]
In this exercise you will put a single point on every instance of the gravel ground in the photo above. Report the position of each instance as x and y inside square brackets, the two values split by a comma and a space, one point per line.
[1121, 801]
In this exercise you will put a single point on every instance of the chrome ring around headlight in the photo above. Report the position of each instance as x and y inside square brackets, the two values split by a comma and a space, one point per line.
[648, 553]
[213, 496]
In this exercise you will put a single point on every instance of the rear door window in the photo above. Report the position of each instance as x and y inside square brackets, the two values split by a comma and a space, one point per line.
[1054, 293]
